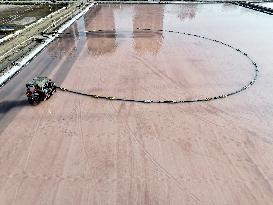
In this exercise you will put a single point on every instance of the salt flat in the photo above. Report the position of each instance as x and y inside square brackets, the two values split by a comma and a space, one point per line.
[73, 149]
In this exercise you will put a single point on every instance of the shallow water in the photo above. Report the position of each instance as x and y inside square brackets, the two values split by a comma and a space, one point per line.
[177, 65]
[72, 149]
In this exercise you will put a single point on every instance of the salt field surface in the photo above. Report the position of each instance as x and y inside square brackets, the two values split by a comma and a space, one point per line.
[73, 149]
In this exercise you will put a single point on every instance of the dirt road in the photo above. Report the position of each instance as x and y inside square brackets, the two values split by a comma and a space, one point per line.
[78, 150]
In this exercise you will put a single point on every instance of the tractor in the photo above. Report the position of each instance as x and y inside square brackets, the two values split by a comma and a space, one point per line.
[40, 89]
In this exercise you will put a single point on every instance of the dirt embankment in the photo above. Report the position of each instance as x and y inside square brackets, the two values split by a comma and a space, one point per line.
[19, 45]
[19, 16]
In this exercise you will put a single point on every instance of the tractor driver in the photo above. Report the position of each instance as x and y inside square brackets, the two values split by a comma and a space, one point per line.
[28, 93]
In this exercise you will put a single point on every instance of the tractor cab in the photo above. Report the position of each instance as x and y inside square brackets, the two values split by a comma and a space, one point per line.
[40, 89]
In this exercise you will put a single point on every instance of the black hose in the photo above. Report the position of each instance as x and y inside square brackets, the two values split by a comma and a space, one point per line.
[250, 83]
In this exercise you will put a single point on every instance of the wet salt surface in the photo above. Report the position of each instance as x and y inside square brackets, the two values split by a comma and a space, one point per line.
[95, 150]
[177, 65]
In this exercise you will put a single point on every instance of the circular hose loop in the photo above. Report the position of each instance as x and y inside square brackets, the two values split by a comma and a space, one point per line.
[170, 101]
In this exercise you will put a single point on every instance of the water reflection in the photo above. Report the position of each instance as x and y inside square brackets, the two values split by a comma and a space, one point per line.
[124, 25]
[152, 18]
[99, 43]
[118, 25]
[186, 12]
[175, 14]
[65, 44]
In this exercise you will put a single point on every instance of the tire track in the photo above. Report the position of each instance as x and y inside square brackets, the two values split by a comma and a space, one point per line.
[29, 153]
[153, 160]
